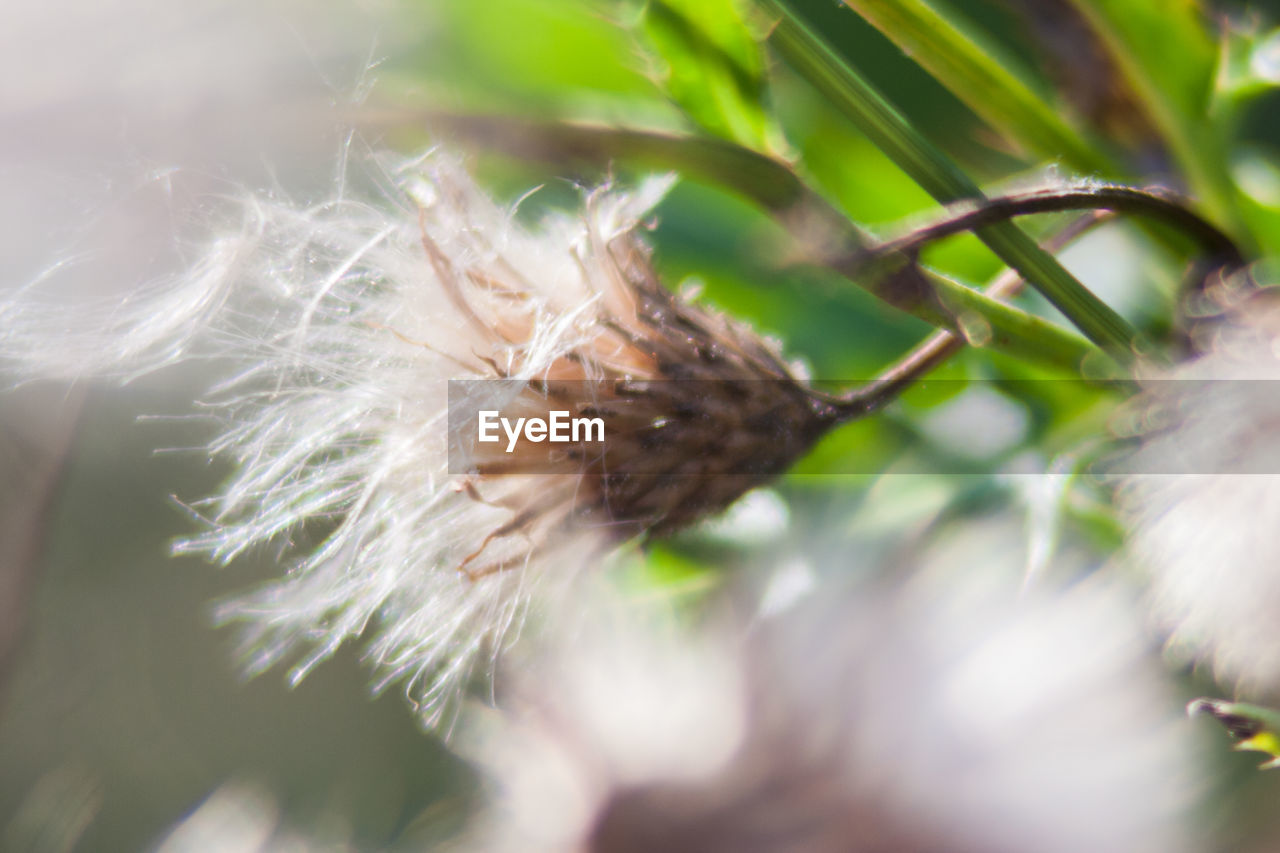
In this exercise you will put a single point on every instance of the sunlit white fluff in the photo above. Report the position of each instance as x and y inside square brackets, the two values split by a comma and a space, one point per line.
[946, 713]
[1203, 504]
[338, 336]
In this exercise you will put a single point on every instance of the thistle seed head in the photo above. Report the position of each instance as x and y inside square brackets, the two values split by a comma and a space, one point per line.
[339, 327]
[696, 409]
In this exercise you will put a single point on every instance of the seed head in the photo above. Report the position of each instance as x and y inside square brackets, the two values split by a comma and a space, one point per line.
[696, 409]
[343, 324]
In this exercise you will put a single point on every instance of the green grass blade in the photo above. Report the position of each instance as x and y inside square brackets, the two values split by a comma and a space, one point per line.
[712, 68]
[982, 321]
[815, 60]
[991, 84]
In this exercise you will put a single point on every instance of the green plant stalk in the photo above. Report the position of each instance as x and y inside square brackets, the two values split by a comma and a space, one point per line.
[764, 180]
[992, 87]
[941, 178]
[942, 345]
[1156, 205]
[773, 186]
[982, 321]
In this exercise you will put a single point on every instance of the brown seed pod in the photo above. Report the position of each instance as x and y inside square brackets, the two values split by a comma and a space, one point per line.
[695, 410]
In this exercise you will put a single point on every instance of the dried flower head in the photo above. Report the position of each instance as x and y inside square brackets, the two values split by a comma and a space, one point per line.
[947, 713]
[345, 322]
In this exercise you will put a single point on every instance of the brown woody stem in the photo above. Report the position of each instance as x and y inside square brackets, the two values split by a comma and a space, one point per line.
[940, 346]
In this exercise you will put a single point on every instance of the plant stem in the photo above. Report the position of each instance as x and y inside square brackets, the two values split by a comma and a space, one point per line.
[983, 321]
[1169, 60]
[809, 54]
[1154, 204]
[774, 186]
[935, 350]
[768, 182]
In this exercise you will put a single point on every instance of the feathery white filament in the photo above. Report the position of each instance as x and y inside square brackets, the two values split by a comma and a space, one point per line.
[344, 322]
[1205, 535]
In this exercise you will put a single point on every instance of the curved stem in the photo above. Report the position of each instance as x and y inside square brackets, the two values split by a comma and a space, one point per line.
[1155, 204]
[766, 181]
[774, 186]
[940, 346]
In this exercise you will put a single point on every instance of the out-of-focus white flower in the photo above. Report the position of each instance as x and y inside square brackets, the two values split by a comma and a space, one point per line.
[342, 323]
[1203, 501]
[121, 118]
[947, 713]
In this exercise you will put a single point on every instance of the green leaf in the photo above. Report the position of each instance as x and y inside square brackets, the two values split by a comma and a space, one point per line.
[524, 55]
[1170, 59]
[1248, 66]
[860, 448]
[876, 191]
[981, 75]
[663, 574]
[712, 68]
[1254, 728]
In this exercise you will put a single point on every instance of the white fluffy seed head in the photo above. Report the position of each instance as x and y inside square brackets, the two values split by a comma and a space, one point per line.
[1203, 501]
[342, 323]
[949, 713]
